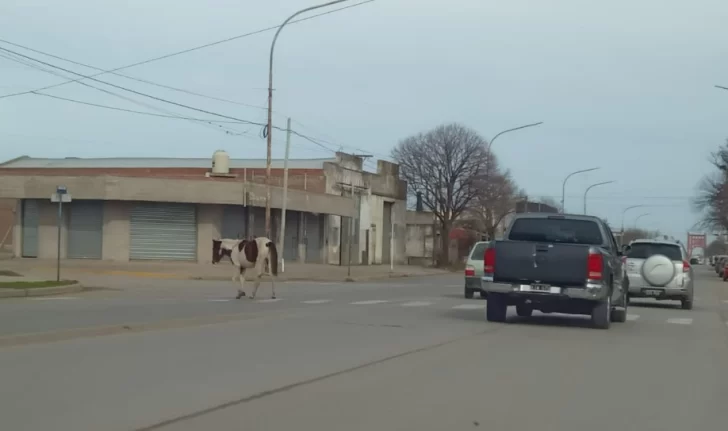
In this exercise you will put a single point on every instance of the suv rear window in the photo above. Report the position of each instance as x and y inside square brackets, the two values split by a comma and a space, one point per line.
[645, 250]
[478, 251]
[556, 230]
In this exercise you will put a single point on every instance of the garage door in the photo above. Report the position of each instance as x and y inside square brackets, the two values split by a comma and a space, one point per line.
[312, 237]
[233, 222]
[85, 229]
[31, 217]
[162, 231]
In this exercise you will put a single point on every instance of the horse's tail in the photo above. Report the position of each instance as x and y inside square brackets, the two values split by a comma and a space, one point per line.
[272, 257]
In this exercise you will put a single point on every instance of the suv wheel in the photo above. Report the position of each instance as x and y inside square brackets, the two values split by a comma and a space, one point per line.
[601, 314]
[687, 303]
[468, 293]
[495, 310]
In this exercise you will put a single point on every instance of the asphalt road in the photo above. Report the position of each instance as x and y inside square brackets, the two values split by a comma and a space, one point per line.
[405, 355]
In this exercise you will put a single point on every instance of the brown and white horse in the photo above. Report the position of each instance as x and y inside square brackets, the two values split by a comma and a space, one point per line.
[257, 253]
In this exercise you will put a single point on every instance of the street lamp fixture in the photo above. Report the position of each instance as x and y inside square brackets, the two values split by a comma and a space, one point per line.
[591, 187]
[563, 186]
[721, 87]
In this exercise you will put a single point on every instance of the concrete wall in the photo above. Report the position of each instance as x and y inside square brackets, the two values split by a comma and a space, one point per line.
[420, 237]
[116, 238]
[7, 222]
[211, 191]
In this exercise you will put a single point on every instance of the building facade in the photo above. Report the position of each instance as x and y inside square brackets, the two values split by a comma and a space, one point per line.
[171, 209]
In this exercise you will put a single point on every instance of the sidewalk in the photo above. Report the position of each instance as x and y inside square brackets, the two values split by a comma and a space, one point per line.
[75, 268]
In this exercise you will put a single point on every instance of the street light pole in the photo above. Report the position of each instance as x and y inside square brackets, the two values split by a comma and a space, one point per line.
[625, 212]
[638, 218]
[591, 187]
[563, 186]
[269, 127]
[721, 87]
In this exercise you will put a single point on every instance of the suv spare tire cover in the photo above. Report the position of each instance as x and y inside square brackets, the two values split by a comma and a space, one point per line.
[658, 270]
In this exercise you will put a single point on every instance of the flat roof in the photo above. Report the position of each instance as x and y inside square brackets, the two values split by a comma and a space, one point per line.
[155, 162]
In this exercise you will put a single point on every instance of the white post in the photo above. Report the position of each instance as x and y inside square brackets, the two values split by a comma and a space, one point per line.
[281, 239]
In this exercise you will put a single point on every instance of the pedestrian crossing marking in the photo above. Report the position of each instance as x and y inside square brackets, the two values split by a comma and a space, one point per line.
[317, 301]
[680, 321]
[468, 307]
[633, 317]
[375, 301]
[416, 304]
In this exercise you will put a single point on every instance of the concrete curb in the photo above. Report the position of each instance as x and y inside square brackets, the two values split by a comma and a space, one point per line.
[40, 291]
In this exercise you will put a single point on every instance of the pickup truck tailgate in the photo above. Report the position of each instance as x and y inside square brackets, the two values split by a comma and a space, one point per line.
[557, 264]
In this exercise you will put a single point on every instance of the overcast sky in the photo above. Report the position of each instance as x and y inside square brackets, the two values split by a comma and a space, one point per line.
[624, 85]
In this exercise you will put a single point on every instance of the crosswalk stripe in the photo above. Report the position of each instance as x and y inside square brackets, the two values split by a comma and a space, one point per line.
[269, 300]
[468, 307]
[633, 317]
[680, 321]
[375, 301]
[416, 304]
[317, 301]
[219, 300]
[53, 298]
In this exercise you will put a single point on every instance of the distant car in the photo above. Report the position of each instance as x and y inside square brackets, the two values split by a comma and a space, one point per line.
[474, 270]
[660, 270]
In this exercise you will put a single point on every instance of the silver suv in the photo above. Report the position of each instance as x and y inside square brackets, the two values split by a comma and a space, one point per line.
[659, 269]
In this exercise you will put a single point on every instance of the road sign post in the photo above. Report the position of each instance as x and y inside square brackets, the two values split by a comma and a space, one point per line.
[60, 196]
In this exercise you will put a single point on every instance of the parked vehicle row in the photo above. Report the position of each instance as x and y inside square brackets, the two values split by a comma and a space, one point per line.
[557, 263]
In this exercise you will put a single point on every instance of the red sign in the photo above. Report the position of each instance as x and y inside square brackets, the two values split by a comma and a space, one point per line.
[696, 240]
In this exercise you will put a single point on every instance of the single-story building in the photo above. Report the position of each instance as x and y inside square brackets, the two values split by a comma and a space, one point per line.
[170, 209]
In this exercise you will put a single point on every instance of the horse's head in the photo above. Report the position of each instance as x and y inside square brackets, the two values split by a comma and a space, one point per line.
[219, 250]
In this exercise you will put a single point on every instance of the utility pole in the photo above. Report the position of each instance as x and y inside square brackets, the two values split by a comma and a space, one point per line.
[282, 239]
[61, 195]
[269, 127]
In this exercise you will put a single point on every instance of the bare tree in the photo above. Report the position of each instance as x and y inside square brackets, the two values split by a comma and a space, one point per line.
[712, 199]
[444, 165]
[497, 198]
[716, 247]
[633, 234]
[548, 200]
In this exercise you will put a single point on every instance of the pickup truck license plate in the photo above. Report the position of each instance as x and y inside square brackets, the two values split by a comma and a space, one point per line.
[544, 288]
[652, 292]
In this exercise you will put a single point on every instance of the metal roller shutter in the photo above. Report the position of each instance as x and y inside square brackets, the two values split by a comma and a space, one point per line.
[233, 222]
[290, 244]
[312, 236]
[31, 217]
[163, 231]
[85, 229]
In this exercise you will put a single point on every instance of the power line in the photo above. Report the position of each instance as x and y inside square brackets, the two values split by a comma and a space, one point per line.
[189, 50]
[126, 89]
[170, 114]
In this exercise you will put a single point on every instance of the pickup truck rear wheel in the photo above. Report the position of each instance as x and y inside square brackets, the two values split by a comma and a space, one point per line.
[601, 315]
[524, 310]
[469, 293]
[497, 307]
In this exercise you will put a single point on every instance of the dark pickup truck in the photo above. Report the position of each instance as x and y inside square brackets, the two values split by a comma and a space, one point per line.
[556, 263]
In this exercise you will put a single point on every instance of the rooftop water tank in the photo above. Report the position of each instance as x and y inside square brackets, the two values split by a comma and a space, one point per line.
[221, 162]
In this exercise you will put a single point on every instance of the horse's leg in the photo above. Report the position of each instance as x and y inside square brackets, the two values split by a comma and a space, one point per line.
[259, 271]
[241, 291]
[272, 284]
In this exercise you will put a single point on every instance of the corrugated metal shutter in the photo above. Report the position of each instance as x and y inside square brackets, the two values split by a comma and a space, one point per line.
[31, 218]
[290, 244]
[163, 231]
[85, 229]
[312, 236]
[233, 222]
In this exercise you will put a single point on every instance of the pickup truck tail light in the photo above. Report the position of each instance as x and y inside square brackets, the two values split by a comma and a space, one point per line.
[594, 265]
[686, 266]
[469, 271]
[489, 261]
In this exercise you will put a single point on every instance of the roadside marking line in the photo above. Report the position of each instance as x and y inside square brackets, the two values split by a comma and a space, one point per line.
[317, 301]
[469, 307]
[416, 304]
[374, 301]
[633, 317]
[53, 298]
[725, 301]
[269, 300]
[680, 321]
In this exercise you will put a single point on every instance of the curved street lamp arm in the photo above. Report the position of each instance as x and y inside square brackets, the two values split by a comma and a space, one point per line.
[591, 187]
[512, 130]
[563, 185]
